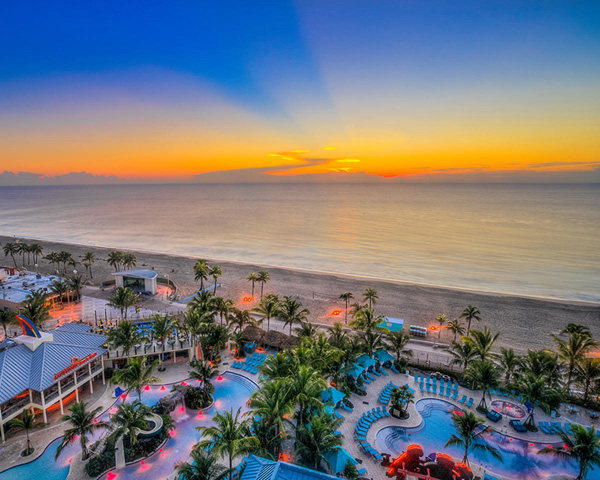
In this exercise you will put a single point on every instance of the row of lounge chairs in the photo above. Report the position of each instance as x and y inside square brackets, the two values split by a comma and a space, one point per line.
[386, 392]
[251, 364]
[362, 427]
[555, 428]
[505, 393]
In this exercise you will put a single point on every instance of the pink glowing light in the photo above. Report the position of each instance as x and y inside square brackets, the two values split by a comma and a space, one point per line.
[147, 387]
[70, 460]
[171, 433]
[95, 420]
[113, 410]
[183, 384]
[124, 395]
[163, 388]
[111, 476]
[181, 409]
[220, 378]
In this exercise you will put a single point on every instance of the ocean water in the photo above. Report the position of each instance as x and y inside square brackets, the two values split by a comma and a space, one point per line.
[538, 240]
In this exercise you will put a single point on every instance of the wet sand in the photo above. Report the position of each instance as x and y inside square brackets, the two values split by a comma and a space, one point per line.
[523, 322]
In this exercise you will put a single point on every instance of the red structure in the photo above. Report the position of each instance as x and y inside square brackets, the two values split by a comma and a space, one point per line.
[442, 467]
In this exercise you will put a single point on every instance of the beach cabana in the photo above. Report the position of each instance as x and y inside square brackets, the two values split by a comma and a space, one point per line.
[253, 334]
[365, 361]
[355, 371]
[332, 395]
[291, 342]
[392, 324]
[274, 338]
[338, 459]
[383, 356]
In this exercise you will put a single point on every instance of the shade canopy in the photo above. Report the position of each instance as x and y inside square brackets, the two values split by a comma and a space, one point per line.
[338, 459]
[332, 395]
[355, 370]
[365, 361]
[383, 356]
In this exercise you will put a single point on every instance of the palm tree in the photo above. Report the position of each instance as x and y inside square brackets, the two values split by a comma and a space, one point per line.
[125, 335]
[7, 317]
[194, 322]
[543, 363]
[483, 374]
[204, 466]
[201, 270]
[538, 392]
[222, 307]
[346, 296]
[462, 353]
[128, 260]
[276, 367]
[123, 298]
[22, 250]
[401, 398]
[60, 288]
[587, 373]
[482, 342]
[456, 328]
[253, 277]
[82, 423]
[36, 249]
[370, 296]
[215, 272]
[469, 430]
[366, 320]
[241, 318]
[136, 375]
[337, 335]
[268, 307]
[205, 303]
[35, 307]
[88, 260]
[509, 361]
[162, 326]
[371, 341]
[576, 328]
[75, 284]
[583, 447]
[290, 311]
[11, 249]
[130, 418]
[202, 372]
[572, 351]
[397, 342]
[230, 436]
[52, 257]
[27, 423]
[115, 259]
[64, 257]
[263, 277]
[307, 386]
[306, 330]
[470, 313]
[316, 439]
[441, 319]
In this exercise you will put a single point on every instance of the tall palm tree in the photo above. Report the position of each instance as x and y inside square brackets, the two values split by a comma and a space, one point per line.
[290, 311]
[36, 308]
[370, 296]
[205, 303]
[307, 386]
[82, 423]
[241, 318]
[75, 284]
[372, 341]
[64, 257]
[583, 447]
[263, 277]
[222, 308]
[11, 249]
[136, 375]
[469, 430]
[162, 326]
[88, 260]
[307, 330]
[60, 288]
[215, 272]
[543, 363]
[576, 328]
[456, 328]
[572, 351]
[129, 260]
[470, 313]
[115, 259]
[346, 296]
[366, 320]
[203, 372]
[316, 439]
[52, 257]
[537, 391]
[483, 374]
[482, 341]
[397, 342]
[276, 367]
[201, 270]
[268, 308]
[204, 466]
[130, 418]
[253, 277]
[7, 317]
[229, 437]
[441, 319]
[337, 335]
[27, 423]
[462, 353]
[587, 373]
[22, 250]
[126, 335]
[36, 249]
[194, 322]
[123, 298]
[509, 361]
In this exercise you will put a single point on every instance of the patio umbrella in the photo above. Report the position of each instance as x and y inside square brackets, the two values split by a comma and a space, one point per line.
[338, 459]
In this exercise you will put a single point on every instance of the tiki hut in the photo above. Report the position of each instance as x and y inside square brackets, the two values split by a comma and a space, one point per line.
[291, 342]
[253, 334]
[274, 338]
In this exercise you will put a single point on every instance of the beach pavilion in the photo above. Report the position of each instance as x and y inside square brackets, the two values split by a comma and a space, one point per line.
[44, 370]
[140, 280]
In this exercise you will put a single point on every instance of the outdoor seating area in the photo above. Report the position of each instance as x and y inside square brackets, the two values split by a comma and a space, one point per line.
[518, 426]
[251, 364]
[443, 386]
[386, 392]
[363, 425]
[494, 416]
[505, 393]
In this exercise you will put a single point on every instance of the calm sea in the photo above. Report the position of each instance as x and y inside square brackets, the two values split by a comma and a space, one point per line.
[524, 239]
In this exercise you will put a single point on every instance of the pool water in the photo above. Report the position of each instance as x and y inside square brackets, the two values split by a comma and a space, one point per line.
[521, 460]
[231, 391]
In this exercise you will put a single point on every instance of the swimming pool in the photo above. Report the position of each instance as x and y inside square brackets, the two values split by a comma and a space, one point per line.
[231, 391]
[521, 460]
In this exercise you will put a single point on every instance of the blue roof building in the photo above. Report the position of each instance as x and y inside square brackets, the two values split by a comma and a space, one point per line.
[41, 371]
[141, 280]
[258, 468]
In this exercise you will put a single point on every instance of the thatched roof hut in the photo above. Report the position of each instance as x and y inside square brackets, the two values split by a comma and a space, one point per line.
[274, 338]
[253, 334]
[291, 342]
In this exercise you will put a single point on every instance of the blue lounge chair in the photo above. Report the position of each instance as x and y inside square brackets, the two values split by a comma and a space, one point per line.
[394, 369]
[469, 403]
[518, 426]
[384, 372]
[567, 428]
[454, 395]
[362, 472]
[463, 399]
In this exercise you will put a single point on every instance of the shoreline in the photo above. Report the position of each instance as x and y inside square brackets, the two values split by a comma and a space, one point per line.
[356, 276]
[524, 322]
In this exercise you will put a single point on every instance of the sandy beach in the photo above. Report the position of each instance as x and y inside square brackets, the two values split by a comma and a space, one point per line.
[523, 322]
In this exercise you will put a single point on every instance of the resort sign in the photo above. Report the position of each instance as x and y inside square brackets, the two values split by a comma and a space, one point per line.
[76, 362]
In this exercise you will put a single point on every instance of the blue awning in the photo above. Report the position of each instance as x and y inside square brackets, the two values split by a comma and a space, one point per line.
[332, 395]
[355, 371]
[366, 361]
[392, 324]
[383, 356]
[338, 459]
